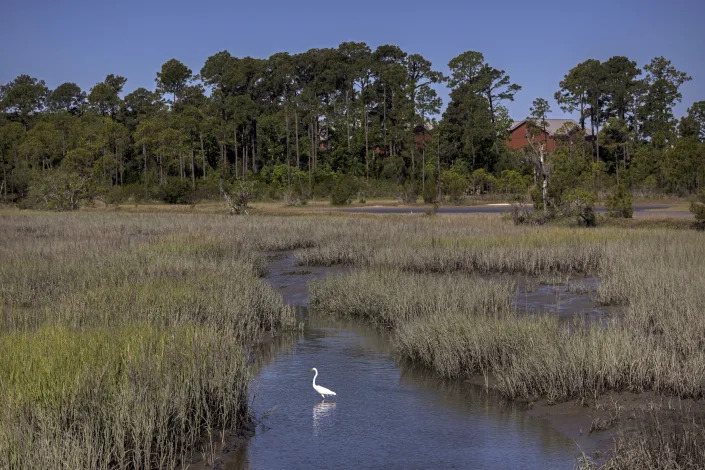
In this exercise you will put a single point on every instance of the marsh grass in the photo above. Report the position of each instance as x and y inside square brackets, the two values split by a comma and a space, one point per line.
[450, 323]
[661, 440]
[125, 338]
[391, 298]
[147, 285]
[136, 397]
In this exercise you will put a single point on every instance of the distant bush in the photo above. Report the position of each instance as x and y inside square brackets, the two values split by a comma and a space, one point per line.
[128, 193]
[237, 195]
[176, 191]
[522, 214]
[698, 209]
[59, 190]
[409, 192]
[294, 198]
[430, 191]
[512, 182]
[481, 181]
[619, 204]
[453, 184]
[379, 188]
[343, 191]
[580, 203]
[536, 197]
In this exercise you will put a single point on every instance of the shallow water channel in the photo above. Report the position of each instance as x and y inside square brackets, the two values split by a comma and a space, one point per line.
[385, 414]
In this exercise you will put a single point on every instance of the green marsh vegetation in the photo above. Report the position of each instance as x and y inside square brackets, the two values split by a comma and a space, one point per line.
[125, 338]
[125, 335]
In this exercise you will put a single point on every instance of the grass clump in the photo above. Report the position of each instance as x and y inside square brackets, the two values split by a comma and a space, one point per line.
[136, 396]
[661, 440]
[391, 298]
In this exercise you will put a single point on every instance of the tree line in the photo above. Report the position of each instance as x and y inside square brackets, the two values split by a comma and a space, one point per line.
[348, 119]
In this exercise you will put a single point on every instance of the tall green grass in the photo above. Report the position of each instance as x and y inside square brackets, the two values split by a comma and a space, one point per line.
[137, 396]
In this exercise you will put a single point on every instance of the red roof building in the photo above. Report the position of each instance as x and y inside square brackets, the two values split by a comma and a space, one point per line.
[556, 129]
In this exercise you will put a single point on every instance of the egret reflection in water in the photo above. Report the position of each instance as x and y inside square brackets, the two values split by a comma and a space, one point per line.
[322, 413]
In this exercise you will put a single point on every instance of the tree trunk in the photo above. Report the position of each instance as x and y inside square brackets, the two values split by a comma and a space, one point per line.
[237, 166]
[492, 120]
[367, 147]
[203, 154]
[254, 148]
[117, 168]
[144, 154]
[193, 171]
[544, 180]
[122, 168]
[296, 129]
[288, 152]
[315, 143]
[423, 166]
[438, 163]
[597, 128]
[384, 115]
[592, 130]
[309, 133]
[472, 147]
[347, 116]
[223, 160]
[244, 158]
[413, 130]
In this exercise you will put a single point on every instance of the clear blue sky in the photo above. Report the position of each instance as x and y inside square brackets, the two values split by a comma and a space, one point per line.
[535, 42]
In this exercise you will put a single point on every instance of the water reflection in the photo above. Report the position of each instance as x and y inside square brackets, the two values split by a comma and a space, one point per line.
[321, 416]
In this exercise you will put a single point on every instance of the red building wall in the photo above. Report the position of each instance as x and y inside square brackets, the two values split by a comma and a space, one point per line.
[517, 139]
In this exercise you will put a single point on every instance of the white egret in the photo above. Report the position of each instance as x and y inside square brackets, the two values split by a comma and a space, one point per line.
[323, 391]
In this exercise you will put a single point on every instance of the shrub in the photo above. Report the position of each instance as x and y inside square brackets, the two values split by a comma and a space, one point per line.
[453, 185]
[59, 190]
[343, 190]
[619, 204]
[294, 199]
[512, 182]
[580, 203]
[176, 191]
[536, 197]
[698, 210]
[409, 192]
[481, 181]
[237, 196]
[127, 193]
[430, 191]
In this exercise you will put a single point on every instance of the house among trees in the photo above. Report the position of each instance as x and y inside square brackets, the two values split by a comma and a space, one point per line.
[554, 129]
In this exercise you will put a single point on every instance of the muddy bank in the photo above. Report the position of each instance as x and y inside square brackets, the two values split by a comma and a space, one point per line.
[565, 298]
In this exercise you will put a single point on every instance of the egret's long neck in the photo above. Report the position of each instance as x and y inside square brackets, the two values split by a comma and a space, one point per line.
[314, 377]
